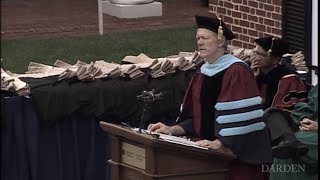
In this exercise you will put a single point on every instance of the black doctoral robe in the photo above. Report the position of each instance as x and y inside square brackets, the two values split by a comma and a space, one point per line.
[227, 106]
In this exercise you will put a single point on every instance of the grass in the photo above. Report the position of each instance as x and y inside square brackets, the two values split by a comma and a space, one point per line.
[17, 54]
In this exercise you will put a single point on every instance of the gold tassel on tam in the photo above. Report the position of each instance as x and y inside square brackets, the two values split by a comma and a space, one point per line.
[220, 30]
[270, 50]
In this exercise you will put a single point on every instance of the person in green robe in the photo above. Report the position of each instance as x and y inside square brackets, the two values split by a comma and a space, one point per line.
[300, 166]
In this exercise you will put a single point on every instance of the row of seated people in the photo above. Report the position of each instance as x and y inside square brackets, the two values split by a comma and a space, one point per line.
[291, 115]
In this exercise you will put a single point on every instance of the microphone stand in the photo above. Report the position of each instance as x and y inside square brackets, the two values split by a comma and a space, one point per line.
[147, 97]
[144, 110]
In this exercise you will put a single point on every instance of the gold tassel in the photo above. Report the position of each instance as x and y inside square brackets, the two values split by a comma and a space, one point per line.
[270, 50]
[220, 30]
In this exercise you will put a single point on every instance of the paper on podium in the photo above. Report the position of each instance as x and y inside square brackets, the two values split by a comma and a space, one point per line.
[172, 139]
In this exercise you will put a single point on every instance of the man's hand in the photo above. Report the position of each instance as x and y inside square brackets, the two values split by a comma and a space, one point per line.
[308, 125]
[254, 67]
[164, 129]
[160, 128]
[216, 144]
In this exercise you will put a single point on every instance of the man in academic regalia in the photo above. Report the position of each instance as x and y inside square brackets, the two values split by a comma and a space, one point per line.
[279, 86]
[280, 89]
[222, 105]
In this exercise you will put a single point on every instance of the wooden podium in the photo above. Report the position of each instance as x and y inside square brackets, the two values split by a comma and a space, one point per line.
[139, 156]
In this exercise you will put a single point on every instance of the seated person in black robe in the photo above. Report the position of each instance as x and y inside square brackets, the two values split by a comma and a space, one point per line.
[279, 85]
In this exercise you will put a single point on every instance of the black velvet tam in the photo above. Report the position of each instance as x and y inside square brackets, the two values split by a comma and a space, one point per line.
[278, 47]
[211, 22]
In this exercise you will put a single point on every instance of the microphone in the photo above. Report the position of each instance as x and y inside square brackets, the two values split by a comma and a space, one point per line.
[147, 97]
[150, 96]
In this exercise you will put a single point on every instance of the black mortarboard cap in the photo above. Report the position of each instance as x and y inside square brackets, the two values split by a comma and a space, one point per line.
[212, 23]
[273, 45]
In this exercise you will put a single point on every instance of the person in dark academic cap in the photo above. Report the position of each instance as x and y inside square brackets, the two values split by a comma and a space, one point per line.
[279, 85]
[281, 89]
[222, 106]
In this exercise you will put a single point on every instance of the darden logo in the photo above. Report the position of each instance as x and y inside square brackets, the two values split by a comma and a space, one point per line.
[293, 168]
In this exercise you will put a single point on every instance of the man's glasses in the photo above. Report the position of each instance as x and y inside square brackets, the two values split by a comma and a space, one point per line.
[260, 54]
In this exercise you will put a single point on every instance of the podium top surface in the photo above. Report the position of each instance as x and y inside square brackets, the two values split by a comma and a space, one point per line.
[126, 133]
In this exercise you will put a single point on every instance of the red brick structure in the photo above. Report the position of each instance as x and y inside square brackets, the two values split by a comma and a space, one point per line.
[249, 19]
